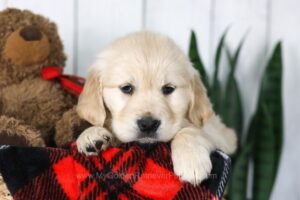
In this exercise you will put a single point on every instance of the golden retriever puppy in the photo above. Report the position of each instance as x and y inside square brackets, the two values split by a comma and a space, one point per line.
[143, 88]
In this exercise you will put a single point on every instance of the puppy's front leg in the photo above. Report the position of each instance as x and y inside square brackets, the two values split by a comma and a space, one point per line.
[192, 146]
[94, 138]
[190, 155]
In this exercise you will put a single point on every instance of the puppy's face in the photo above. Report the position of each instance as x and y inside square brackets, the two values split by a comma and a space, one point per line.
[149, 88]
[148, 101]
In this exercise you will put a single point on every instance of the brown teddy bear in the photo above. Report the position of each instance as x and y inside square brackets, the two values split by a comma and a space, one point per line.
[32, 110]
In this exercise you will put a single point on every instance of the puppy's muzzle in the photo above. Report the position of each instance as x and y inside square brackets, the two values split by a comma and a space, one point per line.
[148, 125]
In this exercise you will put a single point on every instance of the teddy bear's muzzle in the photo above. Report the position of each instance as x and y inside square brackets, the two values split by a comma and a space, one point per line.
[27, 46]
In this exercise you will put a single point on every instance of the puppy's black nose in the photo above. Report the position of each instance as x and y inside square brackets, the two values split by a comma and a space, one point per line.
[31, 33]
[148, 124]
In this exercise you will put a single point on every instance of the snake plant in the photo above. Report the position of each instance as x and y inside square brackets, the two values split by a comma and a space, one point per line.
[264, 137]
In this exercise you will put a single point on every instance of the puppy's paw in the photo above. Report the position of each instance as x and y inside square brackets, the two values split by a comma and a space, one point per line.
[191, 161]
[92, 139]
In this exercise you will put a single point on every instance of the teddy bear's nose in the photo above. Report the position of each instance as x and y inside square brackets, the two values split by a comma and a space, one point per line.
[30, 33]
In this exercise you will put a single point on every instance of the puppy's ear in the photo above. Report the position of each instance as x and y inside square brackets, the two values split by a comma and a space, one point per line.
[90, 104]
[200, 108]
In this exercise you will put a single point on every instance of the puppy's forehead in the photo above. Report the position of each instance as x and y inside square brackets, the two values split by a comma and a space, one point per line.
[144, 55]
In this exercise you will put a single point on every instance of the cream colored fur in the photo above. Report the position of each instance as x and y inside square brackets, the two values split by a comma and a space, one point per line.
[148, 61]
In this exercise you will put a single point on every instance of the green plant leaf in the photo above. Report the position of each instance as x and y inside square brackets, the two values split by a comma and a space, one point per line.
[215, 96]
[239, 178]
[219, 53]
[196, 59]
[264, 154]
[271, 95]
[265, 134]
[232, 109]
[216, 92]
[237, 189]
[266, 128]
[234, 59]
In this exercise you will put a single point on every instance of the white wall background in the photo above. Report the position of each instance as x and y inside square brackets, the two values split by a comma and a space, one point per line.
[87, 26]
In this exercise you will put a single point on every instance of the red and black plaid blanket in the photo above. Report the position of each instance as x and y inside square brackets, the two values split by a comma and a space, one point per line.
[133, 171]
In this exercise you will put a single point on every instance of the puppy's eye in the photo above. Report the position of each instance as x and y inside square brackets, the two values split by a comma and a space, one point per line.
[127, 89]
[167, 89]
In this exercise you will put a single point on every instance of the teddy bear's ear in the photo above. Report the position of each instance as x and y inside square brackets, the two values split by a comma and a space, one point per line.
[90, 104]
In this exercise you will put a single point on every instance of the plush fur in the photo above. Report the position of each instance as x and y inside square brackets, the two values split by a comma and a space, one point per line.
[16, 132]
[148, 62]
[30, 108]
[71, 127]
[12, 20]
[28, 43]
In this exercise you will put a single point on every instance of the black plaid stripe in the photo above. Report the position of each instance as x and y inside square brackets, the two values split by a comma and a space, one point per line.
[161, 155]
[46, 186]
[56, 155]
[190, 192]
[43, 187]
[115, 185]
[134, 161]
